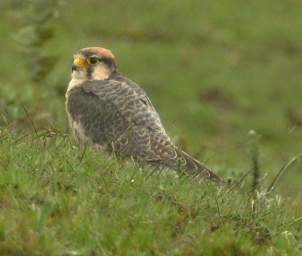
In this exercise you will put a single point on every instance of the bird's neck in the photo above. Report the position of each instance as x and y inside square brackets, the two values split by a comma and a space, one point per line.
[77, 80]
[74, 82]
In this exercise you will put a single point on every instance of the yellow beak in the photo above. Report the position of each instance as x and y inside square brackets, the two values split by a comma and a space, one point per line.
[79, 61]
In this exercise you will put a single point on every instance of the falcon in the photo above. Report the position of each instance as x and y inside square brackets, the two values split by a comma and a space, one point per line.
[108, 110]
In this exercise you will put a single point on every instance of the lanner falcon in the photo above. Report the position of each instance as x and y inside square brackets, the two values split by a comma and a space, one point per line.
[110, 111]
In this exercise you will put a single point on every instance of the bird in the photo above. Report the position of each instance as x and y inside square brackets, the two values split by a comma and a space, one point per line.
[108, 110]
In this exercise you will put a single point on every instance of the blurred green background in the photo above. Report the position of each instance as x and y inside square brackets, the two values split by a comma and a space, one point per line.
[214, 70]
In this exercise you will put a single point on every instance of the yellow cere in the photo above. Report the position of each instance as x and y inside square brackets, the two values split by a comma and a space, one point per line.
[79, 61]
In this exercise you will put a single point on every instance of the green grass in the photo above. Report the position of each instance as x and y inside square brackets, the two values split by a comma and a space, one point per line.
[59, 200]
[214, 71]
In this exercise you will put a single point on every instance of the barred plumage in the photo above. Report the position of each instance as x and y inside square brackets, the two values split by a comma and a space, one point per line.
[116, 113]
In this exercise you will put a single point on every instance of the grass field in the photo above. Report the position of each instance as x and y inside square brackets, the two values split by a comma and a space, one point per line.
[214, 71]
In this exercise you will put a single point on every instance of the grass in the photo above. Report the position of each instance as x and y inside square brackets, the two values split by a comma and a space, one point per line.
[231, 67]
[59, 200]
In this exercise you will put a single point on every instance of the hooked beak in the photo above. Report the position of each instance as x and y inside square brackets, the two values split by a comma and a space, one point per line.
[78, 63]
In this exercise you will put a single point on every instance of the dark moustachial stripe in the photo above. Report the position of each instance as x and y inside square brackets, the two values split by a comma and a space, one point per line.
[89, 72]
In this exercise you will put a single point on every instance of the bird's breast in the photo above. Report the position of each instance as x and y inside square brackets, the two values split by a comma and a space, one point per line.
[74, 82]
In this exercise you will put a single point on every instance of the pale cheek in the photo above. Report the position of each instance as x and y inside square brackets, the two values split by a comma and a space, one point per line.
[100, 73]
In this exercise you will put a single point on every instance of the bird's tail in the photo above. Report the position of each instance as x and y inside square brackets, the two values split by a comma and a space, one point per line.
[194, 167]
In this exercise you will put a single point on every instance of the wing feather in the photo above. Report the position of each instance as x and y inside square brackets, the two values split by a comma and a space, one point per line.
[116, 112]
[123, 115]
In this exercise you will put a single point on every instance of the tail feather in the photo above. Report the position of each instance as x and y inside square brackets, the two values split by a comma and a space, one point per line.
[194, 167]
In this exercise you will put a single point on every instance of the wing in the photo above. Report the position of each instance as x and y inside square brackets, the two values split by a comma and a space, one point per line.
[90, 116]
[119, 113]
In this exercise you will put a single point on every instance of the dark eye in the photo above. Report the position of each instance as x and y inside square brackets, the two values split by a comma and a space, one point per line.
[93, 60]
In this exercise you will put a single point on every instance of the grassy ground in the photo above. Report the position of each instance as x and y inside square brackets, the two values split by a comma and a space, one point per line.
[214, 71]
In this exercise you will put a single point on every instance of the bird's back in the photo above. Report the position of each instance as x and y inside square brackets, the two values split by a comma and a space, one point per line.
[117, 113]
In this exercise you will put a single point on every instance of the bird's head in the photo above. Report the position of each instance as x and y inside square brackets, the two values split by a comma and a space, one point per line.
[93, 63]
